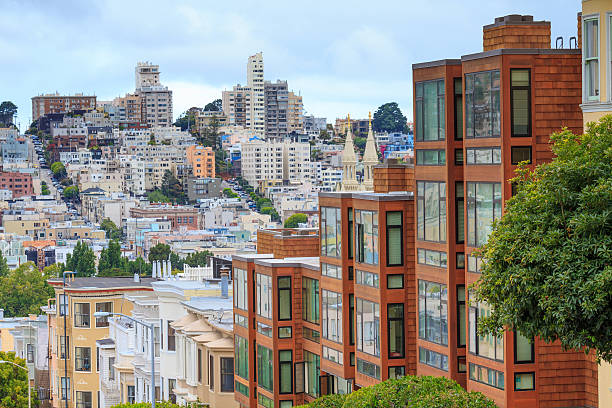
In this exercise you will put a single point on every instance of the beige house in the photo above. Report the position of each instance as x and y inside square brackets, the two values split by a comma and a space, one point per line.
[24, 223]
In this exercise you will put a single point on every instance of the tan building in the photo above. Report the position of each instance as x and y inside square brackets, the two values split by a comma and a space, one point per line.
[596, 43]
[73, 229]
[24, 222]
[56, 103]
[73, 331]
[156, 99]
[202, 161]
[295, 113]
[204, 119]
[129, 108]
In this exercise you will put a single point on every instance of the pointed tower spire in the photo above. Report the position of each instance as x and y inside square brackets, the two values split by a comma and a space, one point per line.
[349, 162]
[370, 158]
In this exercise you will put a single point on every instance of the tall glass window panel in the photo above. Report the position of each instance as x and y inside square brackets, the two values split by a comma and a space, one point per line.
[461, 322]
[433, 312]
[331, 315]
[284, 298]
[265, 368]
[240, 289]
[368, 327]
[351, 246]
[394, 238]
[431, 211]
[429, 99]
[488, 346]
[523, 349]
[520, 92]
[313, 371]
[264, 295]
[482, 104]
[310, 300]
[591, 58]
[241, 357]
[483, 207]
[285, 366]
[331, 232]
[459, 212]
[366, 236]
[458, 109]
[395, 326]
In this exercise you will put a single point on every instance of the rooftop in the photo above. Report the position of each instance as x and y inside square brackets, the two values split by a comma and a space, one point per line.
[103, 282]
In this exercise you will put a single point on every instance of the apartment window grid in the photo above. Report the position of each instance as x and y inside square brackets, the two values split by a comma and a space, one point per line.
[520, 102]
[482, 112]
[431, 211]
[433, 312]
[429, 120]
[591, 57]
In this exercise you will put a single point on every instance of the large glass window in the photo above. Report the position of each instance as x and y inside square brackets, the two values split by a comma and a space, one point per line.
[284, 298]
[82, 359]
[484, 205]
[366, 236]
[524, 381]
[310, 300]
[458, 108]
[106, 307]
[459, 214]
[487, 376]
[369, 369]
[83, 399]
[461, 316]
[523, 349]
[432, 258]
[350, 233]
[395, 247]
[395, 327]
[367, 278]
[333, 271]
[241, 357]
[368, 327]
[227, 374]
[431, 211]
[65, 388]
[352, 319]
[264, 295]
[313, 371]
[81, 315]
[482, 113]
[241, 293]
[433, 359]
[428, 157]
[483, 155]
[331, 316]
[265, 368]
[486, 346]
[285, 367]
[429, 120]
[331, 232]
[520, 93]
[591, 58]
[333, 355]
[433, 312]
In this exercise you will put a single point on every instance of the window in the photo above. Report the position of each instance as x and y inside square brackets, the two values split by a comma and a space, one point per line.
[310, 300]
[484, 206]
[395, 281]
[591, 58]
[461, 364]
[369, 369]
[30, 353]
[264, 329]
[331, 232]
[82, 359]
[200, 362]
[520, 154]
[432, 258]
[285, 371]
[483, 155]
[240, 289]
[263, 295]
[64, 347]
[431, 211]
[459, 215]
[81, 315]
[486, 346]
[428, 157]
[524, 381]
[366, 236]
[487, 376]
[171, 337]
[367, 278]
[333, 271]
[241, 357]
[332, 355]
[474, 264]
[227, 374]
[520, 102]
[240, 320]
[310, 334]
[111, 368]
[63, 304]
[395, 327]
[395, 252]
[352, 319]
[461, 316]
[241, 388]
[433, 359]
[397, 372]
[429, 100]
[286, 404]
[433, 312]
[106, 307]
[350, 233]
[65, 386]
[458, 157]
[368, 327]
[523, 349]
[312, 369]
[284, 332]
[458, 84]
[211, 372]
[331, 316]
[482, 113]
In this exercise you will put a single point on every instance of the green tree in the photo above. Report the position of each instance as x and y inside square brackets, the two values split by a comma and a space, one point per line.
[157, 196]
[198, 258]
[4, 269]
[44, 189]
[14, 383]
[55, 270]
[227, 192]
[186, 120]
[295, 220]
[360, 143]
[159, 252]
[548, 261]
[82, 260]
[324, 135]
[111, 260]
[112, 231]
[139, 266]
[152, 141]
[171, 187]
[7, 111]
[214, 106]
[272, 212]
[389, 118]
[58, 169]
[24, 290]
[176, 262]
[71, 192]
[263, 202]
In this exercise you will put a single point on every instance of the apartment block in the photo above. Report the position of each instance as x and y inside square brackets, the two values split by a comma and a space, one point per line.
[20, 184]
[56, 103]
[238, 106]
[156, 99]
[179, 216]
[274, 161]
[295, 113]
[202, 161]
[276, 109]
[255, 80]
[128, 108]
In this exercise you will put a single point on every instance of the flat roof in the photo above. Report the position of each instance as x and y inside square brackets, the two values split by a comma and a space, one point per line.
[437, 63]
[369, 195]
[297, 262]
[103, 282]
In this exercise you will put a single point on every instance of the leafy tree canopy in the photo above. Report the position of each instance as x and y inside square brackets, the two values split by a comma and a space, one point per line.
[111, 260]
[198, 258]
[157, 196]
[71, 192]
[24, 290]
[7, 111]
[58, 169]
[295, 220]
[389, 118]
[82, 260]
[112, 231]
[214, 106]
[272, 212]
[4, 269]
[171, 187]
[229, 193]
[159, 252]
[14, 383]
[548, 261]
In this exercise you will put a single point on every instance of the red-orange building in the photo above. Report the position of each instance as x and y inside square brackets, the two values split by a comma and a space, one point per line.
[20, 184]
[56, 103]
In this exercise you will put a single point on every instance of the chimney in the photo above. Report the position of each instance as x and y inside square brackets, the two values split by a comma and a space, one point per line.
[136, 277]
[224, 284]
[393, 176]
[516, 31]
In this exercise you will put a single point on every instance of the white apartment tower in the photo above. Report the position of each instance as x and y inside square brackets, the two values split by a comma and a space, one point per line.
[255, 80]
[156, 99]
[275, 161]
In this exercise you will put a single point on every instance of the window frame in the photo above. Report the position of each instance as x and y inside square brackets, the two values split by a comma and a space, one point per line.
[326, 324]
[390, 320]
[489, 148]
[423, 297]
[223, 364]
[361, 238]
[79, 316]
[83, 403]
[421, 214]
[461, 303]
[420, 161]
[360, 327]
[458, 101]
[516, 360]
[282, 362]
[419, 100]
[395, 275]
[263, 285]
[307, 300]
[82, 359]
[284, 289]
[388, 228]
[586, 97]
[469, 95]
[103, 321]
[525, 389]
[496, 188]
[529, 113]
[515, 162]
[443, 357]
[459, 157]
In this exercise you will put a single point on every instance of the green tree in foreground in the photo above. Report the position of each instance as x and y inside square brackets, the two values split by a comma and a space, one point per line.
[71, 192]
[198, 258]
[389, 118]
[159, 252]
[8, 110]
[409, 391]
[4, 269]
[271, 211]
[157, 196]
[112, 231]
[82, 260]
[14, 383]
[24, 290]
[295, 220]
[58, 169]
[548, 261]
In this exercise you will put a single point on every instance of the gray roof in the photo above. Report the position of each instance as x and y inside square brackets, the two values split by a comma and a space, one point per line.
[209, 303]
[103, 282]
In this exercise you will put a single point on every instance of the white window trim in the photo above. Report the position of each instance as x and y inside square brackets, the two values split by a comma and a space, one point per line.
[594, 16]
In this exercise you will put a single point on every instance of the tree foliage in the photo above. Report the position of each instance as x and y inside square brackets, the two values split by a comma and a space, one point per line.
[71, 192]
[198, 258]
[112, 231]
[7, 111]
[409, 391]
[214, 106]
[58, 169]
[186, 121]
[24, 290]
[111, 262]
[271, 212]
[82, 260]
[156, 196]
[171, 187]
[295, 220]
[227, 192]
[389, 118]
[14, 383]
[4, 269]
[160, 252]
[548, 261]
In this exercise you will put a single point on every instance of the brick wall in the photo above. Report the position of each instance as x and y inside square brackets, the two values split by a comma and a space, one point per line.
[515, 31]
[288, 243]
[393, 176]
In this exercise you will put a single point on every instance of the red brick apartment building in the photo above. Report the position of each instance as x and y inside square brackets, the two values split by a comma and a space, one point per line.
[388, 293]
[20, 184]
[56, 103]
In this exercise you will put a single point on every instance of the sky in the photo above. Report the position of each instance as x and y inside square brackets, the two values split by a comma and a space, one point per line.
[341, 56]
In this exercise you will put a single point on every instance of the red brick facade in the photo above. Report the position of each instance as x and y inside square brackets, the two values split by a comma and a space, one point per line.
[20, 184]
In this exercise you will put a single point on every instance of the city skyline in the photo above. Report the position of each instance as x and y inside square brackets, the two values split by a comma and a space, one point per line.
[343, 64]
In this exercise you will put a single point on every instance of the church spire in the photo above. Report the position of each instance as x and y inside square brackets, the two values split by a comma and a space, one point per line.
[349, 161]
[370, 158]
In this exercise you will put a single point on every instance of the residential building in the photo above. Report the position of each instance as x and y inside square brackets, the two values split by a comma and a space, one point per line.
[295, 113]
[276, 106]
[359, 127]
[313, 126]
[20, 184]
[15, 149]
[205, 119]
[274, 161]
[128, 108]
[156, 99]
[56, 103]
[202, 161]
[24, 222]
[179, 216]
[255, 80]
[203, 188]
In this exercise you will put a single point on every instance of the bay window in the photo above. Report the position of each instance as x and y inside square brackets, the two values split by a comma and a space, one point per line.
[433, 312]
[310, 300]
[591, 58]
[331, 316]
[240, 289]
[263, 295]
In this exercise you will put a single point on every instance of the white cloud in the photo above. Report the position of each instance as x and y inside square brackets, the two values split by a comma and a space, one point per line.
[187, 94]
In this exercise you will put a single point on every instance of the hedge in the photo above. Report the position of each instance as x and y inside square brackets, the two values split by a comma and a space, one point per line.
[409, 392]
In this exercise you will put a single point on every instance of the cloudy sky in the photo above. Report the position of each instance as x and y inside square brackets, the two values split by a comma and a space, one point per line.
[342, 56]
